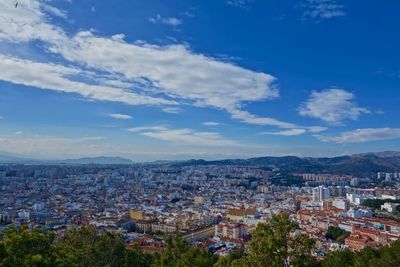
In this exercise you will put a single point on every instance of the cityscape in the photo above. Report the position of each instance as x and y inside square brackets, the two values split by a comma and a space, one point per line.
[189, 133]
[215, 205]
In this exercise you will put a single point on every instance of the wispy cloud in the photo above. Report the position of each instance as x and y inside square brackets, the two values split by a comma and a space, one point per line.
[146, 128]
[256, 120]
[243, 4]
[332, 106]
[184, 136]
[211, 123]
[142, 71]
[249, 118]
[59, 78]
[318, 10]
[171, 21]
[120, 116]
[55, 11]
[363, 135]
[172, 110]
[291, 132]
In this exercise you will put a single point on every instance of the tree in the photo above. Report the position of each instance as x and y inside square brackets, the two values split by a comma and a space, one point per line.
[227, 261]
[341, 258]
[388, 256]
[88, 247]
[374, 203]
[134, 257]
[377, 203]
[365, 257]
[337, 234]
[24, 247]
[76, 247]
[83, 247]
[179, 253]
[272, 244]
[302, 247]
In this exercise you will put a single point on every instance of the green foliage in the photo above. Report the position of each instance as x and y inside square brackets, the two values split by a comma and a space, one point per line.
[87, 247]
[377, 203]
[365, 257]
[22, 247]
[134, 257]
[336, 234]
[229, 260]
[342, 258]
[368, 257]
[83, 247]
[374, 203]
[272, 245]
[179, 253]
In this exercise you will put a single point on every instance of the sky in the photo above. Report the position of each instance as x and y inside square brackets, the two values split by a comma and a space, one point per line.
[181, 79]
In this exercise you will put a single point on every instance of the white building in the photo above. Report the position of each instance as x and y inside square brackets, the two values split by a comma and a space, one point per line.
[23, 214]
[355, 182]
[358, 199]
[389, 197]
[342, 204]
[359, 213]
[320, 193]
[390, 207]
[38, 206]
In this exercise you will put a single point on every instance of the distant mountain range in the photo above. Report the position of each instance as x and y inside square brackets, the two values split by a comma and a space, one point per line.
[9, 158]
[362, 165]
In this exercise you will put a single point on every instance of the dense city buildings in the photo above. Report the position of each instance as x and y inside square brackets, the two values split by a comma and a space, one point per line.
[216, 206]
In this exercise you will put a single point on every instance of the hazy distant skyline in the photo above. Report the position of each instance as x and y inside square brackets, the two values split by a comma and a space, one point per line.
[185, 79]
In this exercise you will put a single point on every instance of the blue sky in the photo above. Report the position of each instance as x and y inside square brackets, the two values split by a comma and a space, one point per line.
[185, 79]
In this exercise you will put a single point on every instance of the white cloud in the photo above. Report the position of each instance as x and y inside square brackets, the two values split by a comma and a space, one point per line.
[55, 11]
[291, 132]
[317, 129]
[322, 9]
[27, 22]
[332, 106]
[363, 135]
[19, 132]
[57, 77]
[253, 119]
[120, 116]
[171, 21]
[173, 110]
[145, 74]
[194, 77]
[146, 128]
[184, 136]
[211, 123]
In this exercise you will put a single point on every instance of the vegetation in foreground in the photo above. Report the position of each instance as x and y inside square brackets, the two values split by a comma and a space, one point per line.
[273, 244]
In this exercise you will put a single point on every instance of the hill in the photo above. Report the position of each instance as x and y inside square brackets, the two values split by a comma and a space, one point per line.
[362, 165]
